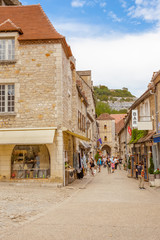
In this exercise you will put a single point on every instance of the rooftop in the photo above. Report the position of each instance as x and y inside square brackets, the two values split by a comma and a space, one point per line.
[33, 22]
[105, 116]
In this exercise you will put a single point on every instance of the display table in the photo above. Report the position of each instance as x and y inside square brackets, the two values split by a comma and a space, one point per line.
[30, 173]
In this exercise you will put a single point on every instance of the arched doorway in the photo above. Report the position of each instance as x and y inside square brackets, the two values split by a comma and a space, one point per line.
[30, 161]
[106, 150]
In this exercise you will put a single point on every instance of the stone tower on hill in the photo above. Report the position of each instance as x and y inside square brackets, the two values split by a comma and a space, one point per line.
[9, 2]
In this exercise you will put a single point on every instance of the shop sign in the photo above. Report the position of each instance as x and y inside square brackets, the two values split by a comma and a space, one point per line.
[134, 118]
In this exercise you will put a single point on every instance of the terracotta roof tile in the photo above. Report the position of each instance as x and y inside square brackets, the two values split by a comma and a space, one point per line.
[34, 23]
[8, 26]
[32, 20]
[105, 116]
[118, 117]
[119, 125]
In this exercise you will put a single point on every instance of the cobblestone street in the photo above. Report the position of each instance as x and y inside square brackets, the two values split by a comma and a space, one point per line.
[101, 207]
[21, 203]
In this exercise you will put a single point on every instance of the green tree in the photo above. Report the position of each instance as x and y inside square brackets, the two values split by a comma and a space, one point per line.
[102, 108]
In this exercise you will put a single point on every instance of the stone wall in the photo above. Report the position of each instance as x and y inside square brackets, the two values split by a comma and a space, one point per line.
[41, 90]
[109, 132]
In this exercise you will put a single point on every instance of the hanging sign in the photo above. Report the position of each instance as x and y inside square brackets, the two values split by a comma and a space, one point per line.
[134, 118]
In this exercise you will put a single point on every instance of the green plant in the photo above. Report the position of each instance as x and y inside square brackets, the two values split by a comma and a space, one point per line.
[157, 171]
[137, 134]
[151, 168]
[129, 163]
[97, 156]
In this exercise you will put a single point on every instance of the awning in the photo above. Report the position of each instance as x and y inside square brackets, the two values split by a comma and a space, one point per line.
[27, 136]
[146, 138]
[156, 138]
[85, 145]
[77, 135]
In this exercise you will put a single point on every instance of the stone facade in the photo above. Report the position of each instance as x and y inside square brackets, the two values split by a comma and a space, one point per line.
[107, 135]
[47, 98]
[86, 84]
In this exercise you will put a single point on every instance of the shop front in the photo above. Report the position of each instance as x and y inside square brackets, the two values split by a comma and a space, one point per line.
[30, 161]
[30, 154]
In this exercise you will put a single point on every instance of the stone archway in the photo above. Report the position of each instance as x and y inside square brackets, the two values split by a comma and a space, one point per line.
[107, 149]
[30, 161]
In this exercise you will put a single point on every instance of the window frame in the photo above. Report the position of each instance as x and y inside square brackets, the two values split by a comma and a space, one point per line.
[7, 49]
[7, 101]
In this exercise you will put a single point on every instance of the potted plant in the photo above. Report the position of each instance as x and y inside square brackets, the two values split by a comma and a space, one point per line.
[129, 167]
[151, 170]
[157, 173]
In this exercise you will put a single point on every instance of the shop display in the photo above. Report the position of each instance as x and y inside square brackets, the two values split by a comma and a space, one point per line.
[30, 162]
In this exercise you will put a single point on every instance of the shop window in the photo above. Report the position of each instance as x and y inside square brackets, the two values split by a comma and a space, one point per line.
[7, 49]
[7, 97]
[30, 161]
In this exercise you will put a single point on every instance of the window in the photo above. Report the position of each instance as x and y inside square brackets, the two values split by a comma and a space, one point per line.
[105, 126]
[7, 96]
[105, 138]
[7, 49]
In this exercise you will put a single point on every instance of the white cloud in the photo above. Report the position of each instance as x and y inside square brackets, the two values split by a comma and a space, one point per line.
[77, 3]
[89, 3]
[114, 17]
[71, 27]
[124, 3]
[148, 10]
[127, 61]
[103, 4]
[24, 2]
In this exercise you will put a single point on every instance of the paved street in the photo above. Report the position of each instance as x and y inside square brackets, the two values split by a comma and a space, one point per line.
[101, 207]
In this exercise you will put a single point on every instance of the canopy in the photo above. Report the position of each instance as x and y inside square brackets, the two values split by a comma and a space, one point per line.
[27, 136]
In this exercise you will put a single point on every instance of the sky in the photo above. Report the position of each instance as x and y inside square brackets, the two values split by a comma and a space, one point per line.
[118, 40]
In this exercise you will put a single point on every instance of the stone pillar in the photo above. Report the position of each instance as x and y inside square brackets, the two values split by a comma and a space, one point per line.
[5, 161]
[57, 158]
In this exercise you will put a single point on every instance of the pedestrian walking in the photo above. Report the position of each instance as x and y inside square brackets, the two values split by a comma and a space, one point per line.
[99, 162]
[119, 164]
[116, 162]
[92, 166]
[109, 165]
[140, 171]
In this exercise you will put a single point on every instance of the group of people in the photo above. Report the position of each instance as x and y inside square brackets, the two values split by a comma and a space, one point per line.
[111, 164]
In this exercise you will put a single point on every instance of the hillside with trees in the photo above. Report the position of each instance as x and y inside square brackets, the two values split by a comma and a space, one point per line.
[112, 101]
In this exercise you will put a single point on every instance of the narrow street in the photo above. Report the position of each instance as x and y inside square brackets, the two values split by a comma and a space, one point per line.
[101, 207]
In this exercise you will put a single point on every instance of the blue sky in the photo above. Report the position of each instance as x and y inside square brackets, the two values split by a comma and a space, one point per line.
[118, 40]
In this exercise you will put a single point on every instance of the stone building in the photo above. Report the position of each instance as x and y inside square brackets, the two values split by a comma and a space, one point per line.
[85, 83]
[40, 101]
[107, 133]
[136, 137]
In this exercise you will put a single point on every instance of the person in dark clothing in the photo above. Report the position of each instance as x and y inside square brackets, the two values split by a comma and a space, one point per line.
[140, 176]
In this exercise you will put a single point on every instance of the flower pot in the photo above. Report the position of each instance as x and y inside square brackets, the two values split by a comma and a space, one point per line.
[151, 177]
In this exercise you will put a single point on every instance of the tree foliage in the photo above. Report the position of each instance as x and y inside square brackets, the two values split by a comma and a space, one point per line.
[101, 91]
[102, 107]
